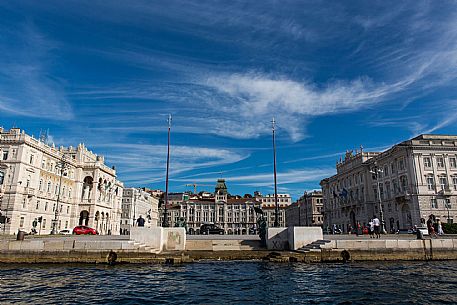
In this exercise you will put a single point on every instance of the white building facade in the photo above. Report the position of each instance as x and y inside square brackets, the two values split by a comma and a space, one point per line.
[135, 203]
[33, 187]
[408, 183]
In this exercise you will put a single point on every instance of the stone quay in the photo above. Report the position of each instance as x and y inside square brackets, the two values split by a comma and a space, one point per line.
[171, 245]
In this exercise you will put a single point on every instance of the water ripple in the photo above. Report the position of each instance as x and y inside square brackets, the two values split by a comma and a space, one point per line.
[231, 283]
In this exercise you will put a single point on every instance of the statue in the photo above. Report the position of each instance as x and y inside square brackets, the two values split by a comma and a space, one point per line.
[86, 192]
[262, 225]
[181, 223]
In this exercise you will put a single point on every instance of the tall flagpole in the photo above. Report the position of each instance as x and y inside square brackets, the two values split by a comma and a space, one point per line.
[276, 224]
[165, 213]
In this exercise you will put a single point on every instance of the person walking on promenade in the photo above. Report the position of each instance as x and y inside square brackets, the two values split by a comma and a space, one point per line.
[430, 227]
[377, 229]
[440, 228]
[371, 228]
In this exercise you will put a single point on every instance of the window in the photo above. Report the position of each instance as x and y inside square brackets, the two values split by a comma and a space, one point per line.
[392, 167]
[37, 205]
[443, 183]
[68, 209]
[454, 181]
[453, 162]
[440, 162]
[427, 162]
[40, 187]
[434, 203]
[404, 183]
[49, 186]
[31, 159]
[21, 223]
[66, 224]
[386, 170]
[448, 203]
[401, 164]
[44, 224]
[5, 155]
[430, 183]
[27, 183]
[388, 193]
[2, 177]
[46, 206]
[43, 163]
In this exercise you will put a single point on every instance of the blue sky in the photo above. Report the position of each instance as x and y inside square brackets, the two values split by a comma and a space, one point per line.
[335, 75]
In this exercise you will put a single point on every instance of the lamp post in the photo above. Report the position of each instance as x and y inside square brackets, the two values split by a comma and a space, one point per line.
[276, 223]
[165, 215]
[375, 171]
[9, 199]
[62, 165]
[135, 198]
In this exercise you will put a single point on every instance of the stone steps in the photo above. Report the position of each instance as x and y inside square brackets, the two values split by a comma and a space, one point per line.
[314, 246]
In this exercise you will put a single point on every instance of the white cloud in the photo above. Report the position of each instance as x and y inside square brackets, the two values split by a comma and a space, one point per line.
[144, 163]
[26, 87]
[266, 179]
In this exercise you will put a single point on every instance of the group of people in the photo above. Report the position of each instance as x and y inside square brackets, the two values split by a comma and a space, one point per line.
[434, 227]
[374, 227]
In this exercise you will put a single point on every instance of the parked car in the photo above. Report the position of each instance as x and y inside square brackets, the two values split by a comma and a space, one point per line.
[65, 232]
[207, 229]
[83, 230]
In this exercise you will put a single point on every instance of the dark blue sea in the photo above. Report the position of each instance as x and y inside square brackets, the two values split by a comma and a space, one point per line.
[231, 283]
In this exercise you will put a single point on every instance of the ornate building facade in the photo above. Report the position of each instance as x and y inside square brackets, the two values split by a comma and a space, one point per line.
[234, 214]
[406, 184]
[306, 211]
[40, 181]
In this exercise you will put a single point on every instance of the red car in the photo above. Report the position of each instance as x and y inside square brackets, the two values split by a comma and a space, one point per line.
[83, 230]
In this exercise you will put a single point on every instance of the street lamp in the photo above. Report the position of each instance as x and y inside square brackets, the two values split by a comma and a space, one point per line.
[62, 165]
[165, 215]
[375, 171]
[276, 224]
[9, 199]
[135, 197]
[448, 203]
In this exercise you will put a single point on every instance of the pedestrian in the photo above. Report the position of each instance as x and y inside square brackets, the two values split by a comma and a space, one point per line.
[440, 228]
[430, 227]
[371, 228]
[140, 221]
[377, 225]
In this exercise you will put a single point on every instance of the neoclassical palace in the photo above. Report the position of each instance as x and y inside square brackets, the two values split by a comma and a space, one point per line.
[234, 214]
[36, 179]
[406, 183]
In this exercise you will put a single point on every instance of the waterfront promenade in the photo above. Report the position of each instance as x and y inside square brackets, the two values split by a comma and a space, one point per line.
[122, 249]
